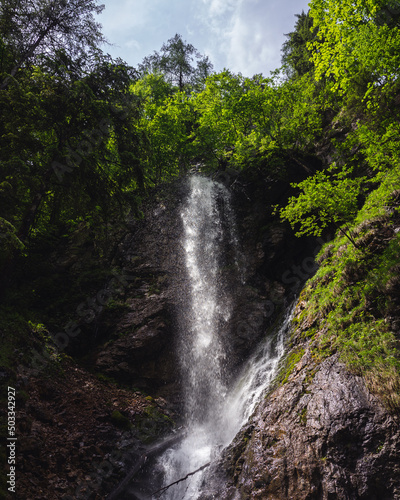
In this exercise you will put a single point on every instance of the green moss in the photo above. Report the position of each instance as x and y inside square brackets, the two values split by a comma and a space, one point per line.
[309, 378]
[153, 423]
[120, 420]
[289, 363]
[105, 378]
[303, 416]
[116, 306]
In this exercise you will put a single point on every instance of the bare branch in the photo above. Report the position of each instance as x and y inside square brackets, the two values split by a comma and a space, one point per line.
[158, 492]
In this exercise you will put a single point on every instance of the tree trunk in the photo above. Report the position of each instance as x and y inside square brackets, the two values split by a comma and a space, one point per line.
[23, 232]
[31, 213]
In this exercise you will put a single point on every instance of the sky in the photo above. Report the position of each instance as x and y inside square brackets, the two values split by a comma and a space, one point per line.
[244, 36]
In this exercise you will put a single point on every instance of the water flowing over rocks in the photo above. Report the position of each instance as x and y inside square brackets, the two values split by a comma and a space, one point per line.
[141, 349]
[319, 436]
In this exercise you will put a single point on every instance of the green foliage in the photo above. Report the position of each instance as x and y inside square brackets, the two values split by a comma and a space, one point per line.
[167, 127]
[32, 28]
[352, 296]
[9, 241]
[323, 201]
[76, 156]
[244, 121]
[243, 118]
[296, 53]
[289, 364]
[355, 46]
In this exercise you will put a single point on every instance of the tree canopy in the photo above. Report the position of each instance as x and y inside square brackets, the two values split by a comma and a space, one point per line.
[33, 29]
[323, 200]
[175, 61]
[357, 42]
[84, 137]
[296, 53]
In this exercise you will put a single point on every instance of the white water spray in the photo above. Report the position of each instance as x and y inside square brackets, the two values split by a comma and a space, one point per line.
[214, 412]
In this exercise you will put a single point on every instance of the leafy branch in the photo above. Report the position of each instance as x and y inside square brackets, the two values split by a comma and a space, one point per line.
[321, 202]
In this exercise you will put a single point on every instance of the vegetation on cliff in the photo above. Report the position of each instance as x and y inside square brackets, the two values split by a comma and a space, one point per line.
[351, 305]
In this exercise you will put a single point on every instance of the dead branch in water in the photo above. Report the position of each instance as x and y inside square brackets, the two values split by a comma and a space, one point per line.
[182, 479]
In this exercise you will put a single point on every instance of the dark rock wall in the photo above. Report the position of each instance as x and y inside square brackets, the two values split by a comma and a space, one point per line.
[141, 346]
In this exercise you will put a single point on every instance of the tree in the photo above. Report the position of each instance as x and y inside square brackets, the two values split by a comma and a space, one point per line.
[323, 201]
[175, 61]
[296, 54]
[167, 119]
[75, 135]
[69, 151]
[354, 49]
[31, 28]
[256, 120]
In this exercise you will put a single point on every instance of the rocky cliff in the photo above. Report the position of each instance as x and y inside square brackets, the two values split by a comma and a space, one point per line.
[141, 339]
[321, 435]
[329, 428]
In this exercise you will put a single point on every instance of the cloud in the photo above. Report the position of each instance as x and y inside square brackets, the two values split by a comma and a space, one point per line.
[243, 35]
[253, 41]
[247, 35]
[122, 15]
[219, 7]
[132, 44]
[249, 48]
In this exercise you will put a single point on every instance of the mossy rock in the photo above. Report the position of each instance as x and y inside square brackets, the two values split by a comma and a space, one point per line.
[121, 421]
[153, 424]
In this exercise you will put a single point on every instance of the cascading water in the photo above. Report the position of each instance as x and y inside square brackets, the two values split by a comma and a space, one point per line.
[214, 409]
[201, 348]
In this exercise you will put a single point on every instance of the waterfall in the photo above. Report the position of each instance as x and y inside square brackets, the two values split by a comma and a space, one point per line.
[208, 228]
[215, 408]
[202, 351]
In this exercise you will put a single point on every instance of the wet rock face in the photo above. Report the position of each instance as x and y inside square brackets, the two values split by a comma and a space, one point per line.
[142, 334]
[324, 439]
[142, 337]
[133, 355]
